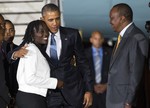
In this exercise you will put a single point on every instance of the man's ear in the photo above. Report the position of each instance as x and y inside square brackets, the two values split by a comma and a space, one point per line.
[103, 40]
[91, 39]
[123, 19]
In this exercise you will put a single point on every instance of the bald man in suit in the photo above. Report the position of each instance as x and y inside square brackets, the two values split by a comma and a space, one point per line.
[99, 59]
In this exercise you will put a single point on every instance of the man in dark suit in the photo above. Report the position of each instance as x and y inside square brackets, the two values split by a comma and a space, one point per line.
[4, 98]
[10, 68]
[147, 73]
[64, 43]
[128, 59]
[99, 59]
[68, 43]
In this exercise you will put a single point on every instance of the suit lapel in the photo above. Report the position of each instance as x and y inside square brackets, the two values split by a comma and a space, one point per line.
[105, 55]
[105, 62]
[121, 45]
[117, 53]
[91, 60]
[64, 41]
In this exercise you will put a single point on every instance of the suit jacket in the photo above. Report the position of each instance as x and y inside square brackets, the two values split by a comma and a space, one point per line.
[4, 98]
[74, 77]
[127, 67]
[105, 63]
[10, 69]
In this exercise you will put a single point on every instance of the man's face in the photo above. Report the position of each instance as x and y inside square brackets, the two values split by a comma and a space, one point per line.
[52, 19]
[97, 40]
[115, 20]
[2, 28]
[9, 32]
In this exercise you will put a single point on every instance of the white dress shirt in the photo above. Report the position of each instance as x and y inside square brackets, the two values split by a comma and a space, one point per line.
[124, 30]
[33, 74]
[58, 44]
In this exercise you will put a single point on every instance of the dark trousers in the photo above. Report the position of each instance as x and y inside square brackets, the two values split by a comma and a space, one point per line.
[55, 99]
[99, 100]
[29, 100]
[2, 103]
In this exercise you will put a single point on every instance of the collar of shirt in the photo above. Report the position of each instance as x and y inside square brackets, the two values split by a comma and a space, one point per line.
[94, 51]
[58, 43]
[57, 35]
[123, 31]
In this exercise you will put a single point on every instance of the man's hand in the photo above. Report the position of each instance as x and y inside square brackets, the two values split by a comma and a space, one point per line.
[60, 84]
[88, 99]
[100, 88]
[21, 52]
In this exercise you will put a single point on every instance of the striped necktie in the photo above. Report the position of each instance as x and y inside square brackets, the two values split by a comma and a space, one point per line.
[53, 50]
[97, 65]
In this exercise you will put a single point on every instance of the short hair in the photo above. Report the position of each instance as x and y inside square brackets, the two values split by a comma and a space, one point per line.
[50, 7]
[8, 21]
[124, 10]
[32, 26]
[96, 31]
[1, 16]
[2, 24]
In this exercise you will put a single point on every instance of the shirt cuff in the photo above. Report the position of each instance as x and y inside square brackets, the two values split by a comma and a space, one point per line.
[12, 57]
